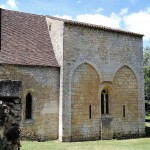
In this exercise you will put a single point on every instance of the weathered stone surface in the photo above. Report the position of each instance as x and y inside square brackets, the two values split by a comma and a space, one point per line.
[85, 104]
[126, 93]
[106, 52]
[9, 127]
[10, 88]
[43, 84]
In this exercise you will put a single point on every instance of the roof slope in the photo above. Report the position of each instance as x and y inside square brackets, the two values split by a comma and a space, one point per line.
[25, 40]
[100, 27]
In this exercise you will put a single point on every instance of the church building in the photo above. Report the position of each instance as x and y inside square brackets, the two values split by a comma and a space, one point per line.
[76, 81]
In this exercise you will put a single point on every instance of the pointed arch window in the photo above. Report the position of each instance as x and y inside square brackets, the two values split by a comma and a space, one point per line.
[28, 113]
[104, 102]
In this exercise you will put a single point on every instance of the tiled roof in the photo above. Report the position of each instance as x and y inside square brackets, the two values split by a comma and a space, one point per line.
[25, 40]
[96, 26]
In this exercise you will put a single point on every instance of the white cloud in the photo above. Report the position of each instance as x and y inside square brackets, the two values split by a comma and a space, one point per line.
[64, 17]
[123, 11]
[148, 10]
[10, 4]
[99, 19]
[138, 22]
[99, 10]
[3, 6]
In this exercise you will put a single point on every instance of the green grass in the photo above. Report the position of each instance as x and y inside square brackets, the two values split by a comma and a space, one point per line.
[147, 125]
[147, 117]
[134, 144]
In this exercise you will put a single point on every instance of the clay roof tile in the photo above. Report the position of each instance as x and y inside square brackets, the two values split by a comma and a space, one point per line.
[25, 40]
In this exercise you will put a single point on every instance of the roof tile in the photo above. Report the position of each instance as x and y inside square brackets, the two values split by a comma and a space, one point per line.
[25, 40]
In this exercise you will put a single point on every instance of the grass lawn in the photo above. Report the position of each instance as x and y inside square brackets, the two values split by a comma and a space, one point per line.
[147, 124]
[132, 144]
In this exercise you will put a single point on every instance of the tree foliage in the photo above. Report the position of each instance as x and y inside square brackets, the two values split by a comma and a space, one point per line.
[147, 56]
[147, 72]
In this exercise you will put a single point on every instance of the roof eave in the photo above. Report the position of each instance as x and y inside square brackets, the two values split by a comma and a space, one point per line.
[88, 25]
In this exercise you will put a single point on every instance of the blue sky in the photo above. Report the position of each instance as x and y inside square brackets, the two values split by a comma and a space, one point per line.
[131, 15]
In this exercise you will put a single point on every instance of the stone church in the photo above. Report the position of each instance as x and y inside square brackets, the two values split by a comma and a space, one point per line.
[76, 81]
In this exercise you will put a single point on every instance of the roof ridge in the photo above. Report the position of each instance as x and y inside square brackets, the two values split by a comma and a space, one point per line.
[73, 22]
[22, 12]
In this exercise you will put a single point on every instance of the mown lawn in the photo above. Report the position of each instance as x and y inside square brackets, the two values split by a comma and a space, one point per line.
[131, 144]
[147, 125]
[134, 144]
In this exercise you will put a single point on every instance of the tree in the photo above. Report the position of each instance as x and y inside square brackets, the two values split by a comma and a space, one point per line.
[147, 56]
[147, 72]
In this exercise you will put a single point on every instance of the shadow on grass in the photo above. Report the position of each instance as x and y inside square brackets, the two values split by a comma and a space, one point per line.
[147, 127]
[147, 120]
[147, 131]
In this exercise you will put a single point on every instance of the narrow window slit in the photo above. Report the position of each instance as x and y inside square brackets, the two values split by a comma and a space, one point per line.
[90, 113]
[124, 111]
[28, 114]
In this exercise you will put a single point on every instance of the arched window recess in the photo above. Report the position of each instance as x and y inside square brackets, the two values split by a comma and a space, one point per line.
[28, 111]
[104, 102]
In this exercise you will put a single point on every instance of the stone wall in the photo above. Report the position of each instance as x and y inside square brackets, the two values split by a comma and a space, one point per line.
[126, 95]
[43, 84]
[106, 52]
[10, 88]
[56, 29]
[85, 108]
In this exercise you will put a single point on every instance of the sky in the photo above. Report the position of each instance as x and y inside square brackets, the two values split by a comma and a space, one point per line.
[130, 15]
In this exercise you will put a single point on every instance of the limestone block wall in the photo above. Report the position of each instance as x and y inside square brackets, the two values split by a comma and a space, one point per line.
[56, 29]
[85, 108]
[43, 84]
[126, 95]
[106, 52]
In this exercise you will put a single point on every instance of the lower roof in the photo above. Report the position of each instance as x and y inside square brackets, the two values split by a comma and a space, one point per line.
[25, 40]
